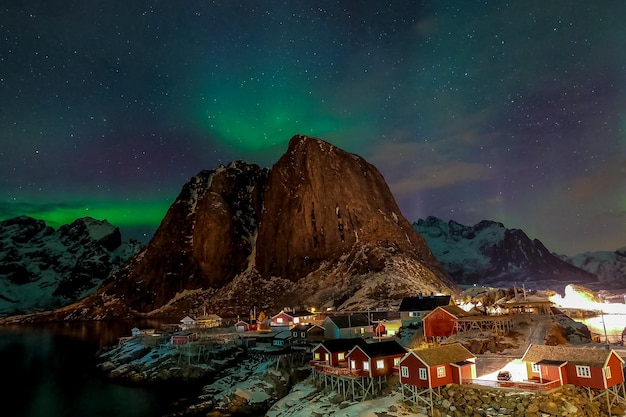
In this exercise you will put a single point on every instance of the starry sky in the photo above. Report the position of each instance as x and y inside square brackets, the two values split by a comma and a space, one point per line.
[508, 111]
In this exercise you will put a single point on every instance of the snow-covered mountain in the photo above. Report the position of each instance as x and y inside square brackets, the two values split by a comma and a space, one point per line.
[42, 268]
[609, 267]
[488, 253]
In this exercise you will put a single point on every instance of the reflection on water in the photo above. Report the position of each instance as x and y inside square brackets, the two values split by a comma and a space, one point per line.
[50, 372]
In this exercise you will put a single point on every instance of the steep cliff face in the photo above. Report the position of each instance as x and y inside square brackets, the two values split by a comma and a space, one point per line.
[204, 241]
[321, 203]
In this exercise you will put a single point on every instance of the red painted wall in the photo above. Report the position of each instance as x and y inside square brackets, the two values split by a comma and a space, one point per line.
[438, 323]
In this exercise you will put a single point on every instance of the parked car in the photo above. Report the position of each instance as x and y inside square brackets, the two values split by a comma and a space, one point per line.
[504, 376]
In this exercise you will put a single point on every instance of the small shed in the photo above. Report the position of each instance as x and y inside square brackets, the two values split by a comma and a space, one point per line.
[182, 338]
[246, 325]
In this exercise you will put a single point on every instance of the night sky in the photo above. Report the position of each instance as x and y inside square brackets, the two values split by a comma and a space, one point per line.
[507, 111]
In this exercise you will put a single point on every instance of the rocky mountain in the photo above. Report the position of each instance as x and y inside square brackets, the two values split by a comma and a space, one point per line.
[609, 267]
[42, 268]
[490, 254]
[320, 228]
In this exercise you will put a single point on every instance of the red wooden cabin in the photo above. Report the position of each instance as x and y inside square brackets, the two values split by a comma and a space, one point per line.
[439, 323]
[333, 352]
[584, 367]
[438, 366]
[375, 359]
[182, 338]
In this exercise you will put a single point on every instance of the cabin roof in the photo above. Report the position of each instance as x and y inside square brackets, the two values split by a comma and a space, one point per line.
[386, 348]
[444, 354]
[348, 321]
[342, 345]
[422, 303]
[577, 356]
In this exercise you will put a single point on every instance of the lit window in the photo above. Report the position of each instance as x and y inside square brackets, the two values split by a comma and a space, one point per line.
[423, 374]
[396, 361]
[327, 357]
[279, 319]
[352, 364]
[317, 356]
[362, 330]
[441, 371]
[380, 364]
[296, 320]
[414, 313]
[404, 371]
[583, 371]
[295, 334]
[535, 368]
[341, 356]
[366, 366]
[607, 372]
[302, 334]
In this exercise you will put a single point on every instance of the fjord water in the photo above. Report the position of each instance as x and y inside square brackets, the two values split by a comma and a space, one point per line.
[51, 372]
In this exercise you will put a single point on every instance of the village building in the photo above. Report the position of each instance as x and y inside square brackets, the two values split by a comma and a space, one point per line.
[347, 326]
[306, 334]
[387, 328]
[182, 338]
[333, 352]
[353, 367]
[441, 322]
[249, 325]
[413, 309]
[583, 367]
[423, 371]
[282, 339]
[208, 321]
[288, 319]
[187, 323]
[376, 358]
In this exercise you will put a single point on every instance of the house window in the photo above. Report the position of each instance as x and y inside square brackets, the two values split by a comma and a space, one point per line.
[583, 371]
[352, 364]
[296, 320]
[396, 361]
[366, 366]
[341, 356]
[317, 356]
[423, 376]
[404, 371]
[302, 335]
[607, 372]
[414, 313]
[380, 364]
[295, 334]
[441, 371]
[535, 368]
[279, 319]
[327, 357]
[362, 330]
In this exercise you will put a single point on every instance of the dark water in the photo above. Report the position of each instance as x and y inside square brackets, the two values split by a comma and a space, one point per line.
[50, 372]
